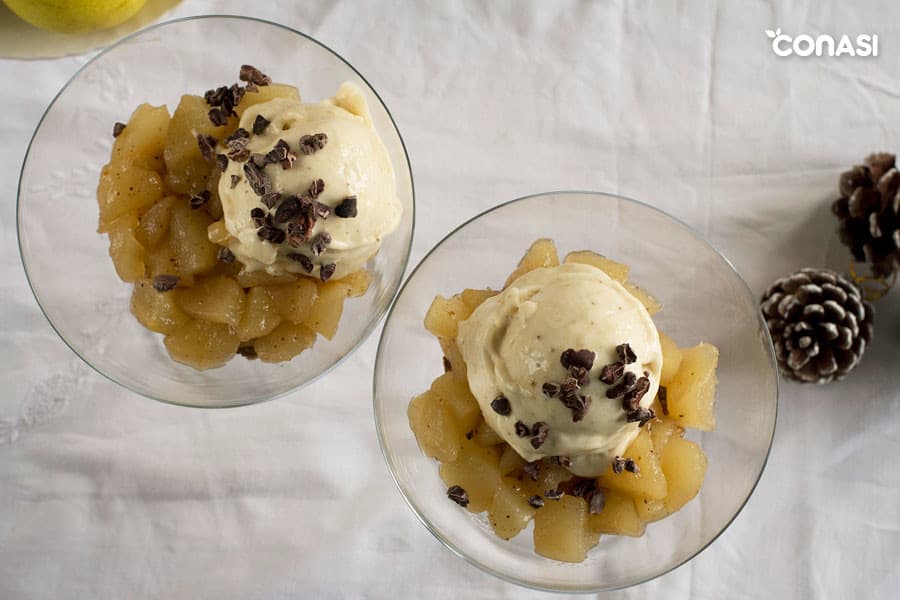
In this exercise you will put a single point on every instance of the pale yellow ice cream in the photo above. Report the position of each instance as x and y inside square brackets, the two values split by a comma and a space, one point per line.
[512, 344]
[353, 162]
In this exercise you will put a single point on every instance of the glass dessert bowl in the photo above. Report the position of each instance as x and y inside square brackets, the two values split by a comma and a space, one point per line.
[715, 306]
[82, 292]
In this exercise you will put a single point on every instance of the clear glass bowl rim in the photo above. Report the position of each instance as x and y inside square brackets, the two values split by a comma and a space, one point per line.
[374, 322]
[420, 514]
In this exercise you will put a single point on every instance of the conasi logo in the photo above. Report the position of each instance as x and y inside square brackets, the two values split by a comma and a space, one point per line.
[822, 45]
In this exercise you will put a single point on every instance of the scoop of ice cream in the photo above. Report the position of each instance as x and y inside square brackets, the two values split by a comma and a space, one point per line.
[523, 349]
[356, 205]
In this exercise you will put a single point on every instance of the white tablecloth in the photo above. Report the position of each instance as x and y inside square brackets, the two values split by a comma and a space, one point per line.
[104, 494]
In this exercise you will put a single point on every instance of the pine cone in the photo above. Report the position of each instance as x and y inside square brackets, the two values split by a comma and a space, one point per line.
[820, 324]
[869, 213]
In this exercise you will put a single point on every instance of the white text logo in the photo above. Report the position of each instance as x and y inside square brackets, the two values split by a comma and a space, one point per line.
[822, 45]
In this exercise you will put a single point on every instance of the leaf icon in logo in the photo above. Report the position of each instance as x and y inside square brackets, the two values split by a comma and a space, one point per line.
[772, 34]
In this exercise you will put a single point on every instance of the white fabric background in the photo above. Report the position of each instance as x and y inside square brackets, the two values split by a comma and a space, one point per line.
[104, 494]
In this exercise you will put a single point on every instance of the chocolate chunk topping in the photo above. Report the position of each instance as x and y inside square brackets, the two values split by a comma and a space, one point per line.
[304, 261]
[540, 431]
[288, 210]
[281, 153]
[536, 501]
[447, 366]
[581, 375]
[164, 283]
[584, 487]
[531, 469]
[207, 145]
[633, 396]
[258, 216]
[258, 180]
[312, 143]
[610, 373]
[568, 387]
[222, 164]
[260, 124]
[247, 351]
[319, 243]
[259, 160]
[458, 495]
[237, 135]
[198, 200]
[316, 188]
[253, 75]
[223, 99]
[577, 358]
[577, 403]
[217, 116]
[626, 354]
[321, 210]
[553, 494]
[596, 502]
[270, 200]
[522, 430]
[236, 143]
[118, 128]
[347, 208]
[271, 234]
[550, 389]
[500, 404]
[225, 255]
[326, 271]
[298, 230]
[662, 394]
[621, 387]
[218, 97]
[620, 464]
[640, 415]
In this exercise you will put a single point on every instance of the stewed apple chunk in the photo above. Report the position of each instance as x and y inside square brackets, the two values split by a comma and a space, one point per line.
[325, 313]
[615, 270]
[510, 510]
[126, 188]
[202, 345]
[294, 301]
[647, 481]
[154, 224]
[444, 315]
[264, 94]
[691, 394]
[143, 139]
[618, 516]
[126, 251]
[671, 359]
[189, 241]
[542, 253]
[284, 342]
[684, 465]
[476, 470]
[155, 310]
[187, 170]
[260, 314]
[436, 428]
[562, 531]
[215, 299]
